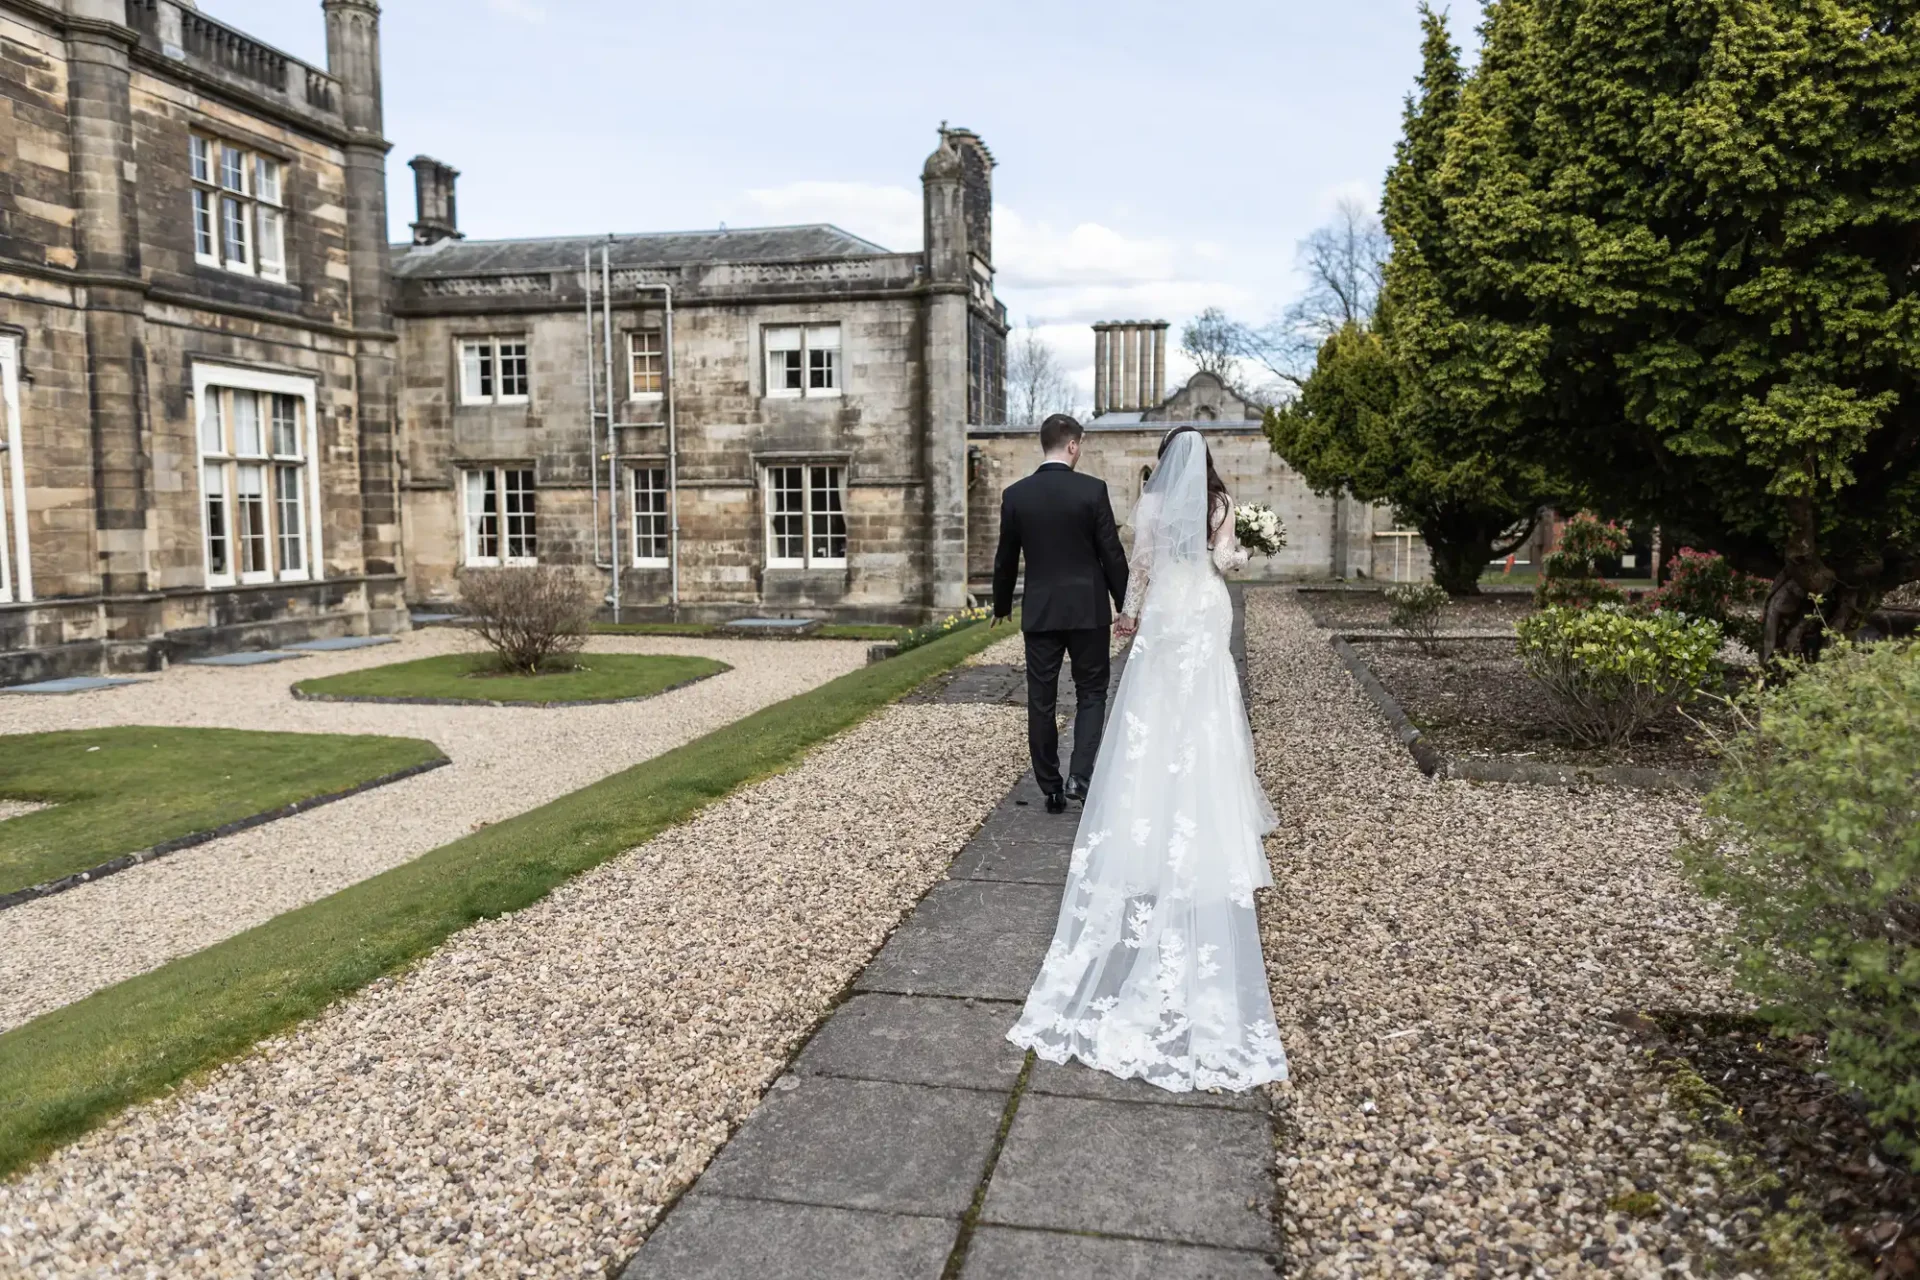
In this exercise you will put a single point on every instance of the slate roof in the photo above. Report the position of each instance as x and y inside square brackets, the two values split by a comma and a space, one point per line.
[651, 249]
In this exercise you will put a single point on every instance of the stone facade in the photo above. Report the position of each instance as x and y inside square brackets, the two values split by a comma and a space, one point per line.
[898, 353]
[1328, 536]
[190, 219]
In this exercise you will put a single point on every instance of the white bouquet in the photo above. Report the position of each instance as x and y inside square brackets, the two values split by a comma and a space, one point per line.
[1259, 529]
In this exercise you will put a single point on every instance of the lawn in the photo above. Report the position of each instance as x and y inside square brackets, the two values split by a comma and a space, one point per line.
[827, 631]
[121, 790]
[70, 1069]
[472, 677]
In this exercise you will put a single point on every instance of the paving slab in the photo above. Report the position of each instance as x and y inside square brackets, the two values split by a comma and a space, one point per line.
[1072, 1080]
[1031, 824]
[68, 684]
[719, 1238]
[861, 1144]
[1019, 861]
[1190, 1175]
[886, 1121]
[979, 938]
[337, 644]
[1000, 1253]
[917, 1040]
[253, 658]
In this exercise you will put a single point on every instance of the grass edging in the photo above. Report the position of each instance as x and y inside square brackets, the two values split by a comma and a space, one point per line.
[192, 838]
[1436, 764]
[74, 1067]
[302, 695]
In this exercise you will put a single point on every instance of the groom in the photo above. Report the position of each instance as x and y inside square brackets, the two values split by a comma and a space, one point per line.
[1063, 523]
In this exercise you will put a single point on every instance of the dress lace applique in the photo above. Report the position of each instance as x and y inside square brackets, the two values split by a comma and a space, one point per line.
[1155, 970]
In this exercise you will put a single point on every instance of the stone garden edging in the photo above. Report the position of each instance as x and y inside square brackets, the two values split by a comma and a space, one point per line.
[126, 861]
[1436, 764]
[303, 696]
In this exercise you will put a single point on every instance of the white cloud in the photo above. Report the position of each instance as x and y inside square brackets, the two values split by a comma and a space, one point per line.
[888, 216]
[529, 11]
[1327, 202]
[1063, 278]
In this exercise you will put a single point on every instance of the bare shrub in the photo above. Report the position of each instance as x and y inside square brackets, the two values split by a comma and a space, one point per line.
[528, 615]
[1414, 608]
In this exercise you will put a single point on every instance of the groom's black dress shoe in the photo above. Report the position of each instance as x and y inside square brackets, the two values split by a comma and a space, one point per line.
[1056, 802]
[1076, 790]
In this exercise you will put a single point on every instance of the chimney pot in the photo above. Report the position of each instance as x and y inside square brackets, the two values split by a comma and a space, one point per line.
[436, 217]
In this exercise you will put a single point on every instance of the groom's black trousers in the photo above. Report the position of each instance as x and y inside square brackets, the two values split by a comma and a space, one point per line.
[1091, 671]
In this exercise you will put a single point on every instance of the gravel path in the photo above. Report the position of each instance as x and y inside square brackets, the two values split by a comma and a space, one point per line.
[524, 1101]
[505, 761]
[1444, 958]
[18, 808]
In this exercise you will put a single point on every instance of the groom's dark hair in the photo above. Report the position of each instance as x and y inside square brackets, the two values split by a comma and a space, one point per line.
[1057, 431]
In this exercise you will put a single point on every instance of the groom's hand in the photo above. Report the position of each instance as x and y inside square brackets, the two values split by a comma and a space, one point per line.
[996, 620]
[1124, 627]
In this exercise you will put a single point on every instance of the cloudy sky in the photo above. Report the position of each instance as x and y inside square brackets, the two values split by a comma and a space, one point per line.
[1154, 159]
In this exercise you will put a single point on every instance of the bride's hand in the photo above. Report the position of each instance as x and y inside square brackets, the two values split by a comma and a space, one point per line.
[1124, 627]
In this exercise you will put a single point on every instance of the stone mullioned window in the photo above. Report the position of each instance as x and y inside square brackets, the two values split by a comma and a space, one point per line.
[493, 370]
[806, 516]
[239, 223]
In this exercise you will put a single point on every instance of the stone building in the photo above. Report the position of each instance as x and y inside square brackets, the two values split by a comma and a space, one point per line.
[789, 406]
[196, 357]
[1327, 536]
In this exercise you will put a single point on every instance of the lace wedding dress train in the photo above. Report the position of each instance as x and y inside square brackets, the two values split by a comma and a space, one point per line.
[1155, 969]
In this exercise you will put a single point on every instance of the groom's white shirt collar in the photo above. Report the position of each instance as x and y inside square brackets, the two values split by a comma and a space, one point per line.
[1054, 462]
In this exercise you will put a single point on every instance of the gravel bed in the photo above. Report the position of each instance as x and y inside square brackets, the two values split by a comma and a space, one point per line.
[506, 760]
[525, 1100]
[1447, 962]
[1474, 700]
[1367, 610]
[19, 808]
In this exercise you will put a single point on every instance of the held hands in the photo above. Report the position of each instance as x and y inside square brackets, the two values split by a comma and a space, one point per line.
[1124, 627]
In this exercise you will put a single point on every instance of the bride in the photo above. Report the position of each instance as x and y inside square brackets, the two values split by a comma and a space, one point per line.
[1155, 968]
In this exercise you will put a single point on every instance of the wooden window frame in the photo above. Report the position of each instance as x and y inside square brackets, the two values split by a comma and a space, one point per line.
[489, 348]
[811, 513]
[249, 193]
[215, 390]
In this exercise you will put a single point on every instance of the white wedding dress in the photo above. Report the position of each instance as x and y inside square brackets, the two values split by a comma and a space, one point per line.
[1155, 969]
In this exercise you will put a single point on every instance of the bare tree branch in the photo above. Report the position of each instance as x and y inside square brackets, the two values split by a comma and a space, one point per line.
[1343, 262]
[1036, 384]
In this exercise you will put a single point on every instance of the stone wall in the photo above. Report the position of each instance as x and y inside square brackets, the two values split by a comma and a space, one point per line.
[99, 184]
[727, 431]
[1326, 537]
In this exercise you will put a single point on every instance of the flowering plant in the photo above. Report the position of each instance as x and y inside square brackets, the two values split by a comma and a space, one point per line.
[1259, 529]
[927, 633]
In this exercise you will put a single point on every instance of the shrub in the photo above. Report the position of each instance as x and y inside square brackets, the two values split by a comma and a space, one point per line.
[528, 615]
[927, 633]
[1813, 841]
[1570, 574]
[1703, 585]
[1414, 608]
[1609, 673]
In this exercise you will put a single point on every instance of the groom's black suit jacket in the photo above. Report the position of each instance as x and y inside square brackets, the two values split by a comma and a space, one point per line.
[1063, 523]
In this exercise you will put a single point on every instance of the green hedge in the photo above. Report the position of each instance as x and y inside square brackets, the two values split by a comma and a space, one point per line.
[1813, 841]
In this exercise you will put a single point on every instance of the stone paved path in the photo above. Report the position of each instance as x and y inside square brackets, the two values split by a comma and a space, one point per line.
[909, 1139]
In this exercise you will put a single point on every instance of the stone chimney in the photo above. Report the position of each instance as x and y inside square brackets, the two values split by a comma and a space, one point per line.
[1129, 365]
[435, 217]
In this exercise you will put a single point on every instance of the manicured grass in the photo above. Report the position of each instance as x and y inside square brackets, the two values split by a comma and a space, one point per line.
[70, 1069]
[828, 631]
[120, 790]
[473, 677]
[653, 629]
[857, 631]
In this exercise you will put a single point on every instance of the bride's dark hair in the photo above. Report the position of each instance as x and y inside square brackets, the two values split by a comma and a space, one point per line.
[1216, 487]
